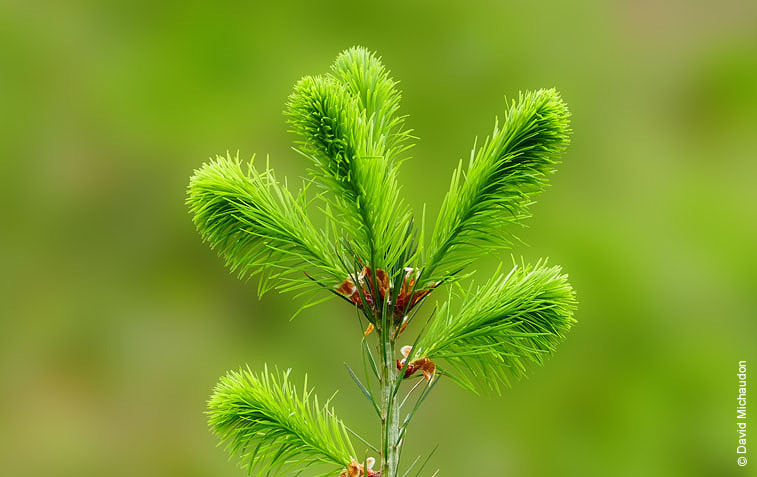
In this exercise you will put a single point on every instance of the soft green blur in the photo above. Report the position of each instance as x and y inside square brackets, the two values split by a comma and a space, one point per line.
[116, 321]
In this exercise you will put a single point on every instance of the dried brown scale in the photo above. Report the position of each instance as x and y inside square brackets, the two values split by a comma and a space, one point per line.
[356, 469]
[423, 364]
[405, 301]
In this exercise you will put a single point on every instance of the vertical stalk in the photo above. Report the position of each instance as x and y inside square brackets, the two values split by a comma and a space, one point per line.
[390, 412]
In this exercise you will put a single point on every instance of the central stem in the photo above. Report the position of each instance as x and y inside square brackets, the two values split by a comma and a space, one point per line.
[389, 413]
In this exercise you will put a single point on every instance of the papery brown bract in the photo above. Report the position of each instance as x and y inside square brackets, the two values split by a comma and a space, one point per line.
[356, 469]
[424, 364]
[406, 299]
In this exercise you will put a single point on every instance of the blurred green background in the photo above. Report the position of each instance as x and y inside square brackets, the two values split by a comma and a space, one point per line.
[116, 321]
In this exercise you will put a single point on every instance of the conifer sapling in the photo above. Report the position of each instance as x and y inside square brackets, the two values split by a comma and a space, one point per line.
[372, 255]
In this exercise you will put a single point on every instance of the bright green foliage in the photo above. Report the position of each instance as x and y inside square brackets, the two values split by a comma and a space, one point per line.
[502, 177]
[499, 327]
[371, 255]
[366, 79]
[350, 130]
[257, 225]
[273, 428]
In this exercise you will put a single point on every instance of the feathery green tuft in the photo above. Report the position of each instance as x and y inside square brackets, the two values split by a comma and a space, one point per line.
[502, 178]
[501, 326]
[273, 428]
[257, 225]
[349, 128]
[333, 128]
[365, 77]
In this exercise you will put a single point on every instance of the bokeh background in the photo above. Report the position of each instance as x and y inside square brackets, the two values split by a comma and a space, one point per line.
[116, 321]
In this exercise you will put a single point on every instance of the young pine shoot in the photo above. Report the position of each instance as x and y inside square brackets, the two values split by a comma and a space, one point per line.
[372, 255]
